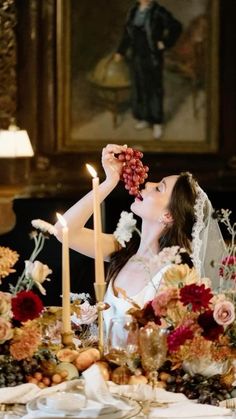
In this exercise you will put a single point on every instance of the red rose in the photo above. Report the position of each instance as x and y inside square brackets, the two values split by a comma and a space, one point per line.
[26, 305]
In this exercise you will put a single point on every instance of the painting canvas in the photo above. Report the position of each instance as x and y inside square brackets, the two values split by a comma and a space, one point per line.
[95, 93]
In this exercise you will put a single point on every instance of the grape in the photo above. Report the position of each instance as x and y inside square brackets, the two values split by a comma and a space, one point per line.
[134, 173]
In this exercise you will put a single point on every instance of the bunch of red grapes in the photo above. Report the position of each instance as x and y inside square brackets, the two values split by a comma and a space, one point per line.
[134, 173]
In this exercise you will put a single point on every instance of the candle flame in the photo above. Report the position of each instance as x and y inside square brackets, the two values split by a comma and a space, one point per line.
[61, 220]
[91, 170]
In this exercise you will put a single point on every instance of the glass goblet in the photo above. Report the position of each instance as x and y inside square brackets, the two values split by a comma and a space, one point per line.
[122, 340]
[153, 349]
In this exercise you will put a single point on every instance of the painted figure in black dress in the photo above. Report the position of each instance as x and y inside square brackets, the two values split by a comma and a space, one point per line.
[149, 30]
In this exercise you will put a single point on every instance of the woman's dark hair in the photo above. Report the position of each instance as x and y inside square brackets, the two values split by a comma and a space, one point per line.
[181, 207]
[178, 233]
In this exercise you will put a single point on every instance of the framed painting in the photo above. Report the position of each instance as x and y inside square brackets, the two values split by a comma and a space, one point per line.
[95, 85]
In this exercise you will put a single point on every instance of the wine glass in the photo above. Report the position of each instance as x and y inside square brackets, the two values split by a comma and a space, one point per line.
[122, 340]
[153, 349]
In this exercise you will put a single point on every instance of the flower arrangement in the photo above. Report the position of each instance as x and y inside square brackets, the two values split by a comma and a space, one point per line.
[20, 309]
[30, 334]
[199, 324]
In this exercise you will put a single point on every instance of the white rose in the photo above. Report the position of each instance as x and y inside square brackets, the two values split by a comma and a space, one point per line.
[87, 315]
[38, 272]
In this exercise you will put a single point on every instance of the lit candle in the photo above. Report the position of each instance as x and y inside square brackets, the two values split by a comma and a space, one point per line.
[99, 264]
[66, 323]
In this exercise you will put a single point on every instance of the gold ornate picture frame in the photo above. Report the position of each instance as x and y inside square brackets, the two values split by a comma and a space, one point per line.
[91, 114]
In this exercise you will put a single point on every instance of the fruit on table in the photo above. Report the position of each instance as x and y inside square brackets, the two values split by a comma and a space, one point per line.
[67, 367]
[86, 358]
[67, 355]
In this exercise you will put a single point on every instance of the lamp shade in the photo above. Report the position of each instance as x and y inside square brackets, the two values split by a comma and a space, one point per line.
[15, 143]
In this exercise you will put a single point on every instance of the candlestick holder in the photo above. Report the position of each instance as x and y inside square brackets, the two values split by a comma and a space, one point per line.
[100, 289]
[67, 340]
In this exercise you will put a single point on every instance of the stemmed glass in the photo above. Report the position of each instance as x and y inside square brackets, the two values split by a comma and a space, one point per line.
[122, 340]
[153, 349]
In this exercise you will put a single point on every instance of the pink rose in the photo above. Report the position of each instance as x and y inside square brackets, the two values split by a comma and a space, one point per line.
[161, 303]
[224, 313]
[6, 332]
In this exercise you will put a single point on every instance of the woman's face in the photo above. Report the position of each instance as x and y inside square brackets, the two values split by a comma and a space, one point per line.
[156, 197]
[144, 1]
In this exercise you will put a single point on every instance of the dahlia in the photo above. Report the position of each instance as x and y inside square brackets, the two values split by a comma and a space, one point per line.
[197, 295]
[26, 305]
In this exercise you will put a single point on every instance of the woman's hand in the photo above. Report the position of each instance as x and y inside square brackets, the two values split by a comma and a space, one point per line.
[111, 164]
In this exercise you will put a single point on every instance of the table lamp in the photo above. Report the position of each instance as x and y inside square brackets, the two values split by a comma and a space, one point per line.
[14, 144]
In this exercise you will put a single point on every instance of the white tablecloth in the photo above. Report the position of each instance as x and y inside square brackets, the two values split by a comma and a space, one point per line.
[163, 404]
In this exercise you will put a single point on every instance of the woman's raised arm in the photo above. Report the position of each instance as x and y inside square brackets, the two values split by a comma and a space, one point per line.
[81, 239]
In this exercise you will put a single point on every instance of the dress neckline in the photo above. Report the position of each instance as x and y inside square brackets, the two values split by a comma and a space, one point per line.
[151, 281]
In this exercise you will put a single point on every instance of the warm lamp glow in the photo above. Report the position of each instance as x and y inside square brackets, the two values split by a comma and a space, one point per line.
[91, 170]
[15, 143]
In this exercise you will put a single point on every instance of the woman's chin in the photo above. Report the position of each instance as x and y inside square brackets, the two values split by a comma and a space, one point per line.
[134, 206]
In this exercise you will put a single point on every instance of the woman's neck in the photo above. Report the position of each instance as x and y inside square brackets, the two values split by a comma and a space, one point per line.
[149, 242]
[143, 4]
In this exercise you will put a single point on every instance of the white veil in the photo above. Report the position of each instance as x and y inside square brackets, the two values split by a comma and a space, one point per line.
[208, 246]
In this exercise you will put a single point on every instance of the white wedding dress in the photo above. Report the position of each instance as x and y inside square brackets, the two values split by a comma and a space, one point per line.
[119, 306]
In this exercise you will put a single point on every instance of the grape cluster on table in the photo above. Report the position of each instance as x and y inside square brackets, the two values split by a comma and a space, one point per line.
[205, 390]
[39, 369]
[13, 373]
[134, 173]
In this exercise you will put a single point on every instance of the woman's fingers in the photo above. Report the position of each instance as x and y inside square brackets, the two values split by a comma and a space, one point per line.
[108, 152]
[111, 164]
[114, 148]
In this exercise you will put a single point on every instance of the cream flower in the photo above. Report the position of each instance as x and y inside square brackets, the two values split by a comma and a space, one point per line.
[168, 255]
[224, 313]
[125, 228]
[8, 258]
[87, 314]
[83, 296]
[6, 332]
[38, 272]
[44, 226]
[5, 305]
[180, 274]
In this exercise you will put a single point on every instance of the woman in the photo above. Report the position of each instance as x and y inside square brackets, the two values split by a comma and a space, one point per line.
[169, 217]
[149, 30]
